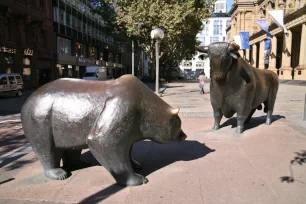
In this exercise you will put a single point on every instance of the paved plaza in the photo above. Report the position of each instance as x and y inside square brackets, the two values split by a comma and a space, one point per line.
[265, 164]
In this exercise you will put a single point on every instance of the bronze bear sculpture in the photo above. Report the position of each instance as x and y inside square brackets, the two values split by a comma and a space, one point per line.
[67, 115]
[237, 87]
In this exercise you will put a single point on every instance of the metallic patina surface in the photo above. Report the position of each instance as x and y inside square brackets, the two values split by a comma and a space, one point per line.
[67, 115]
[237, 87]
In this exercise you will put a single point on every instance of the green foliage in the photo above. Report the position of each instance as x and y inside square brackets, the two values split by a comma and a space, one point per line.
[181, 20]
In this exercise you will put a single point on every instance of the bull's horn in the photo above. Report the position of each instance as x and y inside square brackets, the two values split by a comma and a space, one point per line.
[200, 49]
[175, 111]
[233, 47]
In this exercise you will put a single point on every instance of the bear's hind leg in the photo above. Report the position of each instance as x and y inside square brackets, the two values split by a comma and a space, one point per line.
[117, 161]
[50, 158]
[43, 145]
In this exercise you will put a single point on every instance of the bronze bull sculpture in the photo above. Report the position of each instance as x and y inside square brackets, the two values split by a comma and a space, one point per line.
[237, 87]
[67, 115]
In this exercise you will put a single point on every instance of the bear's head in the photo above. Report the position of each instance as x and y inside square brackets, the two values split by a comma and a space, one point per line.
[165, 128]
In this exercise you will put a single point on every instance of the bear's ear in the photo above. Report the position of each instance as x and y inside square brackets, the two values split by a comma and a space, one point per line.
[175, 111]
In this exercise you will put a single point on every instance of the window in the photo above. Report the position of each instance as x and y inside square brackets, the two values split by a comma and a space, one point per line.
[55, 11]
[200, 65]
[26, 61]
[26, 73]
[68, 22]
[217, 24]
[63, 46]
[80, 50]
[18, 79]
[9, 59]
[214, 39]
[3, 81]
[12, 80]
[228, 23]
[61, 16]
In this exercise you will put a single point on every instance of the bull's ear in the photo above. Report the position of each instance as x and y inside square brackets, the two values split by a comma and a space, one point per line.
[234, 55]
[175, 111]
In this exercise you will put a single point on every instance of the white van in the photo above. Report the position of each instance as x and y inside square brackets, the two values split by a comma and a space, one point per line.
[11, 83]
[95, 73]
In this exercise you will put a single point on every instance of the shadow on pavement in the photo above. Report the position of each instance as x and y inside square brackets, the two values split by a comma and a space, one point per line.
[254, 122]
[156, 158]
[299, 159]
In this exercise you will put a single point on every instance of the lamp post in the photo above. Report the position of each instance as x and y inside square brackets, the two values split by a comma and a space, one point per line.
[157, 34]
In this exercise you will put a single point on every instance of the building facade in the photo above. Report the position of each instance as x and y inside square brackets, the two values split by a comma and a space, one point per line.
[214, 31]
[81, 41]
[27, 40]
[288, 53]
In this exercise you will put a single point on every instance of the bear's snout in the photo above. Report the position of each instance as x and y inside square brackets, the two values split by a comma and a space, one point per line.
[182, 135]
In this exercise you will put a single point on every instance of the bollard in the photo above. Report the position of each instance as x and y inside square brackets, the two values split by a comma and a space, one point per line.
[305, 109]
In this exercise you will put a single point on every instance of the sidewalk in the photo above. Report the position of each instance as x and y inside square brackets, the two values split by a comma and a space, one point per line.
[263, 165]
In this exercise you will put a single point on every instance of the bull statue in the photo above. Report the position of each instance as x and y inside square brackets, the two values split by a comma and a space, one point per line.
[67, 115]
[237, 87]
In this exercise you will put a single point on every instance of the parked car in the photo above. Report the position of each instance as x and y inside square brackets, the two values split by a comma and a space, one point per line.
[11, 83]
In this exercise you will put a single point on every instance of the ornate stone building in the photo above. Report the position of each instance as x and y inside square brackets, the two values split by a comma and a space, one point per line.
[289, 62]
[27, 40]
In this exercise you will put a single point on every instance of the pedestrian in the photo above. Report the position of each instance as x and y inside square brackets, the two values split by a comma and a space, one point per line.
[201, 82]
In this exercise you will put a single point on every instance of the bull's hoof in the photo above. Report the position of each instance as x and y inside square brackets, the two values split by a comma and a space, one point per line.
[239, 130]
[268, 122]
[216, 127]
[134, 180]
[56, 174]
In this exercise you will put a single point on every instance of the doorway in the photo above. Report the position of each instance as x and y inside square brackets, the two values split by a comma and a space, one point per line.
[44, 76]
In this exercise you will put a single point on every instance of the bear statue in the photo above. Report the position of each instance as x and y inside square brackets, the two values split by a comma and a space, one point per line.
[67, 115]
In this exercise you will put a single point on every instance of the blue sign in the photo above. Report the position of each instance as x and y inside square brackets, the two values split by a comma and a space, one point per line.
[263, 23]
[268, 44]
[245, 37]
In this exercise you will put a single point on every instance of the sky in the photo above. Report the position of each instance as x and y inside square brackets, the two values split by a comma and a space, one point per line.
[228, 5]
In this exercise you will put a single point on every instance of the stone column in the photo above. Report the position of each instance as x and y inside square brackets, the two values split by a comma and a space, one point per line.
[261, 55]
[254, 53]
[286, 69]
[300, 71]
[243, 21]
[247, 55]
[272, 57]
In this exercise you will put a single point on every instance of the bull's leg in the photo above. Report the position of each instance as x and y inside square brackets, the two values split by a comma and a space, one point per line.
[241, 118]
[135, 164]
[116, 160]
[270, 104]
[218, 116]
[250, 116]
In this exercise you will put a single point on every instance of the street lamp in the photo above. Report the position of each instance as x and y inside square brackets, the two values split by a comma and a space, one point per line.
[157, 34]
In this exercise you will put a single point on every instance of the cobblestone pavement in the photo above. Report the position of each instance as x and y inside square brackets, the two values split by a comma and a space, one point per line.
[263, 165]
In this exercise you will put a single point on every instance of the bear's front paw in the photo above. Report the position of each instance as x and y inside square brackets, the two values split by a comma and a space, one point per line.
[56, 174]
[136, 180]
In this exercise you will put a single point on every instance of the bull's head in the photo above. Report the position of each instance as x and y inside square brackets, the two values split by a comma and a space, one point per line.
[221, 56]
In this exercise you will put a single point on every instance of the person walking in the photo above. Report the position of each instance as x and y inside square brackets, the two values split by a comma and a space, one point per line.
[201, 82]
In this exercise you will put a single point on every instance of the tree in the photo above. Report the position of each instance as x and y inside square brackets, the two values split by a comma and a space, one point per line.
[181, 20]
